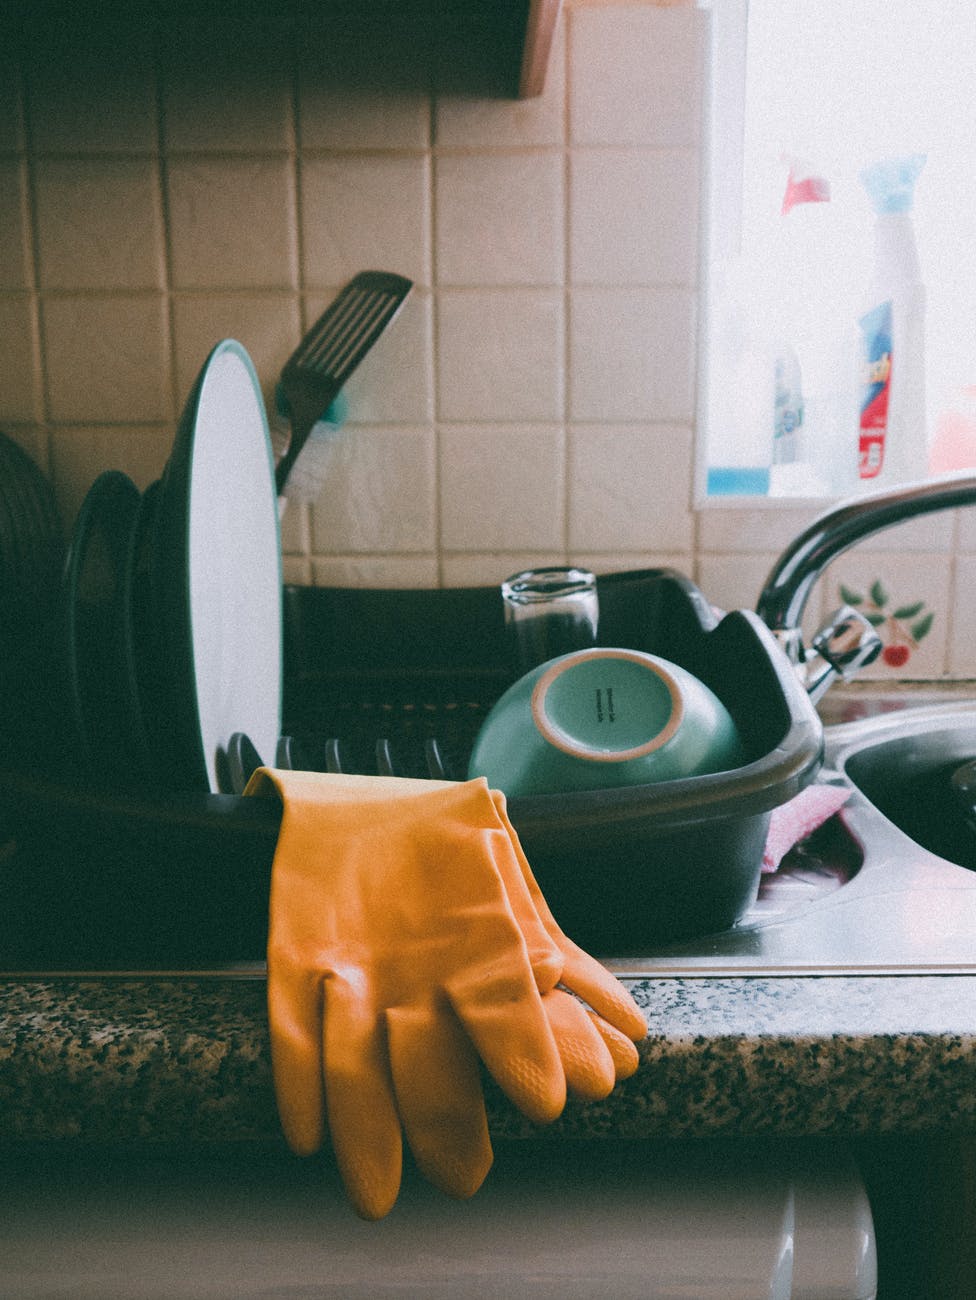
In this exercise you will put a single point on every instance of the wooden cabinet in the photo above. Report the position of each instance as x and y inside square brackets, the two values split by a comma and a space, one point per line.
[540, 27]
[499, 49]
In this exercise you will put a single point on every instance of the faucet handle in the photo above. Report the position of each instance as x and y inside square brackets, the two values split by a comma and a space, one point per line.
[843, 646]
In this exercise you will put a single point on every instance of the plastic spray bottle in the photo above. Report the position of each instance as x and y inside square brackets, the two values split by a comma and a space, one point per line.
[892, 427]
[740, 393]
[814, 377]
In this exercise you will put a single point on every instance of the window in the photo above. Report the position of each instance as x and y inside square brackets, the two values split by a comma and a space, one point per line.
[829, 88]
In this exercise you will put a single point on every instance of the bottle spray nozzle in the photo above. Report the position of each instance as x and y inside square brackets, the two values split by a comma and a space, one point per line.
[890, 182]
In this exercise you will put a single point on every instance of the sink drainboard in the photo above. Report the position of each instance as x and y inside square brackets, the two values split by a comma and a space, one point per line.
[862, 896]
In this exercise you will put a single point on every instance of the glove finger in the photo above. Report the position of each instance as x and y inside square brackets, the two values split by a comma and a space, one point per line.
[439, 1097]
[544, 956]
[601, 990]
[295, 1023]
[581, 973]
[586, 1058]
[363, 1122]
[501, 1009]
[626, 1058]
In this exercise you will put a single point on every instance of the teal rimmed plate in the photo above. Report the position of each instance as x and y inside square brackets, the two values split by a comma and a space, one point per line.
[216, 577]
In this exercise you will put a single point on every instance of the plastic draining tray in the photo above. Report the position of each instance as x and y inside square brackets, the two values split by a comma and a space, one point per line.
[184, 879]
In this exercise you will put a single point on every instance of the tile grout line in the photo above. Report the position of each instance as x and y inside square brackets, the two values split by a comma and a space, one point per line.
[41, 387]
[952, 589]
[297, 155]
[435, 329]
[162, 183]
[569, 440]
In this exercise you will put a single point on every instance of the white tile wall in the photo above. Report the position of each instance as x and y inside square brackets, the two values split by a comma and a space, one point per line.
[500, 355]
[961, 659]
[211, 245]
[107, 359]
[164, 184]
[610, 469]
[365, 210]
[631, 355]
[637, 76]
[19, 372]
[99, 223]
[891, 583]
[13, 224]
[652, 238]
[525, 465]
[499, 218]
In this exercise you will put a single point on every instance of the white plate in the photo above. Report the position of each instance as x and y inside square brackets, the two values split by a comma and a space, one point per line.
[217, 574]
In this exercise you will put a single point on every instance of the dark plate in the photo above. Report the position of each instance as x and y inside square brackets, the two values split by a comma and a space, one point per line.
[149, 689]
[31, 542]
[98, 643]
[32, 704]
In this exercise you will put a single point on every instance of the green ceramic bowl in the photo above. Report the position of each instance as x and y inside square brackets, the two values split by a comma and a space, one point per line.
[599, 718]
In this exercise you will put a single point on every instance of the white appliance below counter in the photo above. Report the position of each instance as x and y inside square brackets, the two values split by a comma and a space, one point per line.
[713, 1221]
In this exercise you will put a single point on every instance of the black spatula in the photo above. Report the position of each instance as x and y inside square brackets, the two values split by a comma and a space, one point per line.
[331, 350]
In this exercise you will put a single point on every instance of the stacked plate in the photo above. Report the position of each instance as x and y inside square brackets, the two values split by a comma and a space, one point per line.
[31, 558]
[30, 529]
[172, 599]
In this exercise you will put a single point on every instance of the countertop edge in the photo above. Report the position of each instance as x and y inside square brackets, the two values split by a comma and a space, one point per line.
[187, 1060]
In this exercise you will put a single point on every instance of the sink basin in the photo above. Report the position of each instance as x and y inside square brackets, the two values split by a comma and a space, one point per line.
[886, 887]
[904, 765]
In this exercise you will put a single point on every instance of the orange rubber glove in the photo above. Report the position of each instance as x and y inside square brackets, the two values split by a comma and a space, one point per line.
[593, 1062]
[615, 1014]
[394, 951]
[555, 959]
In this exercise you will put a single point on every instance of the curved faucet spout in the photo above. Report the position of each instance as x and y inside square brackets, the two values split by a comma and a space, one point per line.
[784, 596]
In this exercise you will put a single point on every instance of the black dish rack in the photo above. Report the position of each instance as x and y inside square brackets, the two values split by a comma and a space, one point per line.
[379, 681]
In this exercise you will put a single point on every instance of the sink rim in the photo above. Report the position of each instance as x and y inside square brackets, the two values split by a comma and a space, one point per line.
[842, 739]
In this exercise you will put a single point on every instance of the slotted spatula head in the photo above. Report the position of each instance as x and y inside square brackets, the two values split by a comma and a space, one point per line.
[332, 349]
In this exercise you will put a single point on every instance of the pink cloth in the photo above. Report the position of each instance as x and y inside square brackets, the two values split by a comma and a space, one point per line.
[792, 821]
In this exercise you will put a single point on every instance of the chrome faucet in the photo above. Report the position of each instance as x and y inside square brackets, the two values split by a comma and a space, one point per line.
[848, 642]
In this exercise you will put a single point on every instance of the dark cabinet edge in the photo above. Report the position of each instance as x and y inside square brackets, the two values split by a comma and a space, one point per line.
[540, 29]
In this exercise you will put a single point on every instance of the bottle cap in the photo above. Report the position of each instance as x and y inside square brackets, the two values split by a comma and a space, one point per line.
[804, 187]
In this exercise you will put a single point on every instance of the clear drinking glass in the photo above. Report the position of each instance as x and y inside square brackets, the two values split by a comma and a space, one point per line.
[549, 612]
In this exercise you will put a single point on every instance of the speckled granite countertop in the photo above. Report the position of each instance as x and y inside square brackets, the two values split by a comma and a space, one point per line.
[187, 1060]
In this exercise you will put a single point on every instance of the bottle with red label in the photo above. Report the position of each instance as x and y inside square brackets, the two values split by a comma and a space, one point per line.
[892, 431]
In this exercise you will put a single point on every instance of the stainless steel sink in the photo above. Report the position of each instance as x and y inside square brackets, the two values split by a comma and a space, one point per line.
[877, 889]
